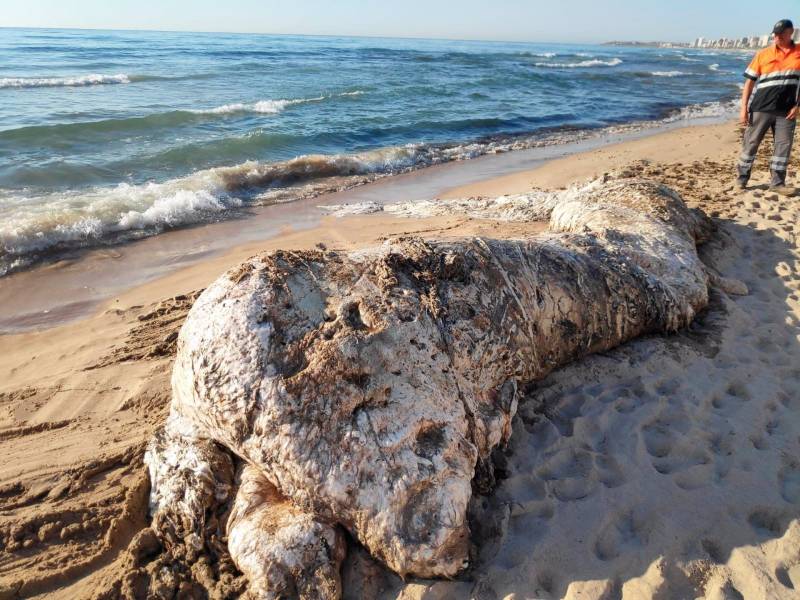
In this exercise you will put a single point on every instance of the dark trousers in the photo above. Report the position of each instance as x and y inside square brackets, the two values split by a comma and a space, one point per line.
[783, 131]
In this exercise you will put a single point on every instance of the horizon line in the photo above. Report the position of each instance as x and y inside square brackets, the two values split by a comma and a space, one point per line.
[360, 36]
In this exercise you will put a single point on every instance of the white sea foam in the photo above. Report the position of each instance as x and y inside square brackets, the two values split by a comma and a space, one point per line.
[269, 107]
[533, 206]
[182, 207]
[714, 67]
[80, 80]
[582, 64]
[33, 224]
[668, 73]
[706, 110]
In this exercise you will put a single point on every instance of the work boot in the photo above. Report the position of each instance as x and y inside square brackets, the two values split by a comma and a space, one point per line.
[741, 185]
[783, 190]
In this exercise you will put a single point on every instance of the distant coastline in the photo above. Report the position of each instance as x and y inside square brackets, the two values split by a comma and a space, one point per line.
[676, 46]
[752, 42]
[648, 44]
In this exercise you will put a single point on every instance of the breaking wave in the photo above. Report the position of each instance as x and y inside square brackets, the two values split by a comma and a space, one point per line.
[582, 64]
[78, 81]
[706, 110]
[668, 73]
[268, 106]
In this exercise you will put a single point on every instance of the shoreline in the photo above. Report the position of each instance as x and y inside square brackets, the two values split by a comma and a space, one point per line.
[33, 298]
[245, 188]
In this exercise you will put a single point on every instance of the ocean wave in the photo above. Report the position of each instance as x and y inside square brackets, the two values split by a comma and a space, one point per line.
[261, 107]
[78, 81]
[37, 225]
[268, 106]
[706, 110]
[668, 73]
[582, 64]
[714, 67]
[93, 79]
[80, 130]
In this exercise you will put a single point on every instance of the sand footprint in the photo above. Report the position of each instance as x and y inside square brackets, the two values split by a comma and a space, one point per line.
[661, 433]
[714, 551]
[689, 456]
[686, 454]
[623, 533]
[609, 473]
[726, 592]
[789, 481]
[526, 494]
[789, 401]
[732, 399]
[658, 437]
[564, 414]
[568, 474]
[631, 396]
[738, 389]
[768, 522]
[772, 425]
[759, 442]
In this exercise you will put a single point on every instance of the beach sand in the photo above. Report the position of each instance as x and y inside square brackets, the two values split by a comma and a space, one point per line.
[667, 468]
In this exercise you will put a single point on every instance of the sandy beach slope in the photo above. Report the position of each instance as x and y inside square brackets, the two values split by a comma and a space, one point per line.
[668, 468]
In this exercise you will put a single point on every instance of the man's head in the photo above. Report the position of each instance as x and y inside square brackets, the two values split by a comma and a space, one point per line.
[783, 32]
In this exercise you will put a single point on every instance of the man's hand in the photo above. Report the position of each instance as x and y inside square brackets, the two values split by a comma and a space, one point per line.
[747, 90]
[744, 117]
[792, 114]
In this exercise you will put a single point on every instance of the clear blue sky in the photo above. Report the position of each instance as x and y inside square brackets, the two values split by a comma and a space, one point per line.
[531, 20]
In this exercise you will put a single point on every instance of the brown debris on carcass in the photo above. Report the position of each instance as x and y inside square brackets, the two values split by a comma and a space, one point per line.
[366, 388]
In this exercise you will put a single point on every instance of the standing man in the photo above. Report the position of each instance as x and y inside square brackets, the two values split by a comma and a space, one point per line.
[775, 73]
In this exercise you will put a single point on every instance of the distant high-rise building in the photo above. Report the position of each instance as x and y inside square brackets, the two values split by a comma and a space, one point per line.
[753, 41]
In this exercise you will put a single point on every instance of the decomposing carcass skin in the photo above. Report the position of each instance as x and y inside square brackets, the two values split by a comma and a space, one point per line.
[362, 390]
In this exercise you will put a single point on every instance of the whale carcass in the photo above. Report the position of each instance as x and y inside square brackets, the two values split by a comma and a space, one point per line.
[320, 392]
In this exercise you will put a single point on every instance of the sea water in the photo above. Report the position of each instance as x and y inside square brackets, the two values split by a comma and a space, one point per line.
[107, 136]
